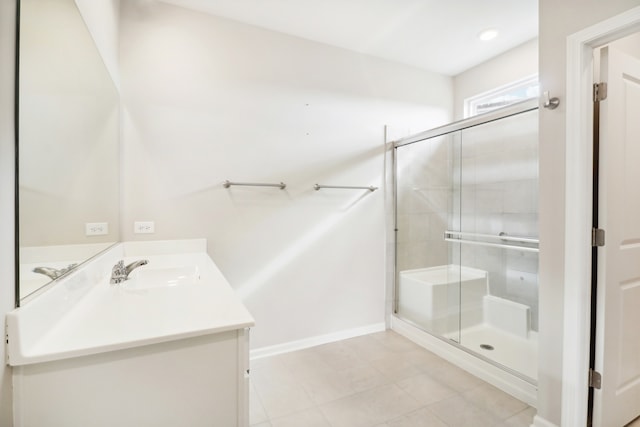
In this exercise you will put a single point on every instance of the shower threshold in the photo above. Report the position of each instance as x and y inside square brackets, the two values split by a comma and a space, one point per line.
[483, 363]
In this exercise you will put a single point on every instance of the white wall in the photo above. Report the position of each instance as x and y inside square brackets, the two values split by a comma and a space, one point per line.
[102, 18]
[7, 172]
[557, 21]
[515, 64]
[208, 99]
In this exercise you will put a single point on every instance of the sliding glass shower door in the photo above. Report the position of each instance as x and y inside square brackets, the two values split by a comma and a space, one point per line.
[466, 242]
[424, 205]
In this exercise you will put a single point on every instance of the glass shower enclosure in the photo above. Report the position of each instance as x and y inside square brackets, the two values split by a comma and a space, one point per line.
[466, 222]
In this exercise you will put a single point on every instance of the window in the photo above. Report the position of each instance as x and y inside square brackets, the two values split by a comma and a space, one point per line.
[502, 96]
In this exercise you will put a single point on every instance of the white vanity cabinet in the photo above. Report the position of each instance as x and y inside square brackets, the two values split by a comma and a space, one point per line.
[199, 381]
[158, 351]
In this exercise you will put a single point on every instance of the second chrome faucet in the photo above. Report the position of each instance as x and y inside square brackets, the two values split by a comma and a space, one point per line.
[120, 272]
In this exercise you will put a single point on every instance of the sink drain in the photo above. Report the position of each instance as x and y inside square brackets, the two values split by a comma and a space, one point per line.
[486, 346]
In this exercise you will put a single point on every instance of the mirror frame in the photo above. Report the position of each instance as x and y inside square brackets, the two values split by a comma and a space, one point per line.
[16, 134]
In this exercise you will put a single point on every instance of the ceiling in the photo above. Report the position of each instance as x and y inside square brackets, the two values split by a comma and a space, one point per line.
[436, 35]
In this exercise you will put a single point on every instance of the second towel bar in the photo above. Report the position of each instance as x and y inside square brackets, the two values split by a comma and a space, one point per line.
[345, 187]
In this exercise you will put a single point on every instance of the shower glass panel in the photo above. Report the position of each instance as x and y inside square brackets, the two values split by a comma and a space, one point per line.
[425, 202]
[467, 227]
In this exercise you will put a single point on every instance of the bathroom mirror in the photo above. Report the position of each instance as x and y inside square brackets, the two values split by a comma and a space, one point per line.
[68, 149]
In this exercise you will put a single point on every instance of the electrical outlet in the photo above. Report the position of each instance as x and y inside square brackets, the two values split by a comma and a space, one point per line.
[96, 228]
[144, 227]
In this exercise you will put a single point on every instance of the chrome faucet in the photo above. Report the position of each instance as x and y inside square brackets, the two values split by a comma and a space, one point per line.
[54, 273]
[120, 272]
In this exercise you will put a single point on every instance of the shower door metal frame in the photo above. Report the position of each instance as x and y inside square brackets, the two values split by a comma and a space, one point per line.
[481, 119]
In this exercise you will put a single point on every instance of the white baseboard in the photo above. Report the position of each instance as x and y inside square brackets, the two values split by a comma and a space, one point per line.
[538, 421]
[314, 341]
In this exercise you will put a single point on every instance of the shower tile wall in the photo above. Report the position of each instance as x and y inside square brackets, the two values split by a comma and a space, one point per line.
[424, 197]
[498, 193]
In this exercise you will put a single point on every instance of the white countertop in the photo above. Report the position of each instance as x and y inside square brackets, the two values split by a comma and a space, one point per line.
[102, 317]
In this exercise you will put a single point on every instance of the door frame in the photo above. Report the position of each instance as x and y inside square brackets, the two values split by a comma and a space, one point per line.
[578, 207]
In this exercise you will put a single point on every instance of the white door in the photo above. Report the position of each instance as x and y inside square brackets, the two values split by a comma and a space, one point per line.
[618, 318]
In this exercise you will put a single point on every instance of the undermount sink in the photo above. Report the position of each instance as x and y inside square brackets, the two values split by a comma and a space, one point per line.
[179, 293]
[149, 277]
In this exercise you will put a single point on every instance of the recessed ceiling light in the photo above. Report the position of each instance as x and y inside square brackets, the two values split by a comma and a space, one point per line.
[488, 34]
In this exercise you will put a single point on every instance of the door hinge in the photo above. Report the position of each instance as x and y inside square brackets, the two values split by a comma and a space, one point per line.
[597, 237]
[599, 92]
[595, 379]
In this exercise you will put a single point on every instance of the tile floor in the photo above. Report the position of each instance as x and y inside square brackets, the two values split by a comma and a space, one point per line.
[377, 380]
